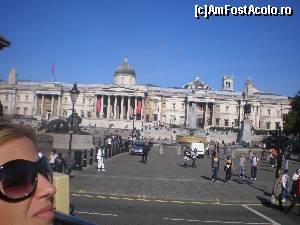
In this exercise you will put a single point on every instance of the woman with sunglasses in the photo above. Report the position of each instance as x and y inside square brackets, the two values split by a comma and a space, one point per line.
[26, 190]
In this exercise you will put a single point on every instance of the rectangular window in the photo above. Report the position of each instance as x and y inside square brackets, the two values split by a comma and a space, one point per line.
[26, 97]
[217, 121]
[83, 101]
[236, 122]
[65, 100]
[268, 124]
[90, 101]
[269, 112]
[19, 97]
[147, 118]
[89, 114]
[25, 110]
[182, 106]
[227, 108]
[226, 122]
[278, 113]
[18, 110]
[5, 109]
[174, 106]
[218, 108]
[81, 113]
[277, 125]
[155, 117]
[6, 97]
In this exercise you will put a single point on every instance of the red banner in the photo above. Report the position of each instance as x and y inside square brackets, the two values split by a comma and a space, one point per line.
[139, 107]
[98, 106]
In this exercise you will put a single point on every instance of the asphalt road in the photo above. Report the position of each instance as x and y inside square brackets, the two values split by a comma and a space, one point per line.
[164, 192]
[127, 211]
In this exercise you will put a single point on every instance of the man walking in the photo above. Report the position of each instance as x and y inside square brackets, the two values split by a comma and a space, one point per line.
[254, 162]
[145, 152]
[100, 157]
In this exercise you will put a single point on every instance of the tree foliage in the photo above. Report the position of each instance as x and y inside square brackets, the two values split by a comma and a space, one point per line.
[291, 120]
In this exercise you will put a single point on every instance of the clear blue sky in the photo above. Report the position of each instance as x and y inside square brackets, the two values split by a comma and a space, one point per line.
[165, 44]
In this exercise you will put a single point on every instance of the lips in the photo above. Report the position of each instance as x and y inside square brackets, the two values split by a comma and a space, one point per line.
[45, 213]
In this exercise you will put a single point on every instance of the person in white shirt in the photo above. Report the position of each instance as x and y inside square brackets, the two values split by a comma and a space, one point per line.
[100, 157]
[254, 162]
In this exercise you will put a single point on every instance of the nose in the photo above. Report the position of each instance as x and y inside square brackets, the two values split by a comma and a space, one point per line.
[44, 189]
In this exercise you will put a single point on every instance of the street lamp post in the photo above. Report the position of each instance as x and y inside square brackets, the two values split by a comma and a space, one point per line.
[74, 92]
[185, 109]
[132, 117]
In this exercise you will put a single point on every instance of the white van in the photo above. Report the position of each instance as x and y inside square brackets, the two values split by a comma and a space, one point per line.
[199, 149]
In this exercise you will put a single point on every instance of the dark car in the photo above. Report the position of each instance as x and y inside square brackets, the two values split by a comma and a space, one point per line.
[136, 148]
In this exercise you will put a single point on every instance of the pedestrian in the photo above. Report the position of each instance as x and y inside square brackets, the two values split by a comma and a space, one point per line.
[215, 164]
[52, 158]
[59, 163]
[295, 192]
[68, 163]
[276, 191]
[145, 152]
[186, 156]
[100, 157]
[194, 157]
[242, 162]
[254, 164]
[228, 169]
[285, 185]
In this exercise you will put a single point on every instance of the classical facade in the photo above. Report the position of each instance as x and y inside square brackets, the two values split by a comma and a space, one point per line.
[195, 105]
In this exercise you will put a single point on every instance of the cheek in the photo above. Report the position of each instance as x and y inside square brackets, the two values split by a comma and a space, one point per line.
[14, 213]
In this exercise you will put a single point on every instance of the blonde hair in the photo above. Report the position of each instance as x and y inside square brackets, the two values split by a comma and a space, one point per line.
[10, 132]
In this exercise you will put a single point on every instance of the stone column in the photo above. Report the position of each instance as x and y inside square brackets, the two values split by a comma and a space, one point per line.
[101, 108]
[42, 106]
[205, 115]
[58, 107]
[122, 108]
[212, 114]
[128, 107]
[36, 104]
[52, 101]
[108, 106]
[142, 106]
[115, 107]
[258, 117]
[135, 105]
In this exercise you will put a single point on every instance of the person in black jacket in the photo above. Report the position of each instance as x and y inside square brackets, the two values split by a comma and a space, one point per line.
[146, 149]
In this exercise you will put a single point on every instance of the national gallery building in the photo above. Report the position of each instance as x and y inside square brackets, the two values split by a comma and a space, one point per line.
[196, 105]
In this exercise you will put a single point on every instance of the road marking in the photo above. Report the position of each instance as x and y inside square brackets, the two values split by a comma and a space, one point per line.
[96, 213]
[211, 202]
[111, 197]
[100, 196]
[213, 221]
[261, 215]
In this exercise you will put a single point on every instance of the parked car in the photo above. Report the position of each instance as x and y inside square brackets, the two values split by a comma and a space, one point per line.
[199, 149]
[136, 148]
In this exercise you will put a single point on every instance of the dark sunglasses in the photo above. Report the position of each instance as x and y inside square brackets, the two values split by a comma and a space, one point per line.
[18, 178]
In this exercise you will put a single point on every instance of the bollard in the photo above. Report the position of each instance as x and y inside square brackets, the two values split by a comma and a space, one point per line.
[91, 157]
[84, 162]
[96, 152]
[161, 149]
[179, 150]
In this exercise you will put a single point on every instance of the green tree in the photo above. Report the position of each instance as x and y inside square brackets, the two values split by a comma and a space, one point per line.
[291, 120]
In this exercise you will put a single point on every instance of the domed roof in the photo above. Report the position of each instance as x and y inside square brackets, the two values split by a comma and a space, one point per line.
[125, 69]
[197, 84]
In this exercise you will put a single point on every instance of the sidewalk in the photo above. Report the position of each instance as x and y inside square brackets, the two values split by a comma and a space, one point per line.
[163, 177]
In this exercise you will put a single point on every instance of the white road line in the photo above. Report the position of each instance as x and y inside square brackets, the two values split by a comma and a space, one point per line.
[261, 215]
[214, 221]
[96, 213]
